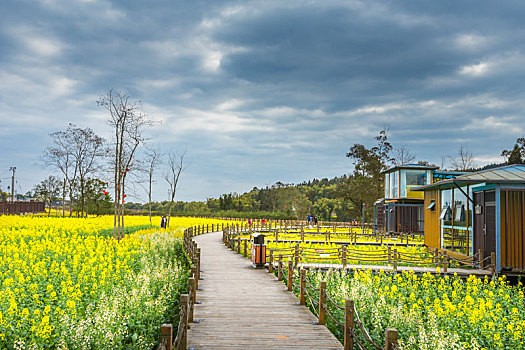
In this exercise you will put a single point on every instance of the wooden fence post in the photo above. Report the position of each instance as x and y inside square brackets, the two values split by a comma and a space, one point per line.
[280, 268]
[296, 255]
[245, 249]
[166, 336]
[343, 256]
[184, 299]
[480, 253]
[302, 286]
[239, 245]
[349, 325]
[493, 262]
[290, 275]
[445, 262]
[389, 255]
[390, 339]
[322, 302]
[198, 264]
[302, 234]
[270, 262]
[395, 259]
[191, 289]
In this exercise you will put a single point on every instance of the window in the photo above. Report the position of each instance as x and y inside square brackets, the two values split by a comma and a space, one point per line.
[396, 184]
[416, 177]
[387, 185]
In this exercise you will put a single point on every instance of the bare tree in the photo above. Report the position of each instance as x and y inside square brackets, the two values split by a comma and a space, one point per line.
[75, 152]
[403, 156]
[175, 169]
[128, 123]
[464, 159]
[59, 157]
[151, 161]
[87, 149]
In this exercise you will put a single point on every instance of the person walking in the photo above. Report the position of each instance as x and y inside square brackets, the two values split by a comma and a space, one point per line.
[163, 222]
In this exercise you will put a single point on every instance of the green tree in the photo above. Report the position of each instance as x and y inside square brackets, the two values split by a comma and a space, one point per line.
[365, 185]
[48, 191]
[517, 154]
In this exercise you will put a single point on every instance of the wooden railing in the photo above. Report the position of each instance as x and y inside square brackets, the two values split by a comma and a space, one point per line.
[321, 303]
[187, 301]
[345, 255]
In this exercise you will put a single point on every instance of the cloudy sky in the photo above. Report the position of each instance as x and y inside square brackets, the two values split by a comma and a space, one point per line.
[264, 91]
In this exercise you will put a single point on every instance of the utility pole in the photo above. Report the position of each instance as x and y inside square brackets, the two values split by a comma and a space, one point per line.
[13, 169]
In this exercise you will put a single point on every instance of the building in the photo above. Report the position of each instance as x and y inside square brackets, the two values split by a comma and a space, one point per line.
[401, 210]
[478, 213]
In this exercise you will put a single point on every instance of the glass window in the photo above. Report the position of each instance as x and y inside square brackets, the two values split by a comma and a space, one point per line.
[416, 177]
[391, 188]
[396, 184]
[403, 188]
[455, 235]
[387, 185]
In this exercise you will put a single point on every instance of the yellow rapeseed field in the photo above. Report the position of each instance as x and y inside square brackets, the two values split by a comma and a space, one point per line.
[66, 283]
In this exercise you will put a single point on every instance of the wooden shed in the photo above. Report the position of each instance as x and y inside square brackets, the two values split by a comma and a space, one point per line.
[481, 211]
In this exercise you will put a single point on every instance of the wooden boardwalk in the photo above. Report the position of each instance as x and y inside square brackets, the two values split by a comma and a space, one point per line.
[244, 308]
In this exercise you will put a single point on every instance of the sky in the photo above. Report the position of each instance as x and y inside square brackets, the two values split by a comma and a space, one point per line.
[263, 91]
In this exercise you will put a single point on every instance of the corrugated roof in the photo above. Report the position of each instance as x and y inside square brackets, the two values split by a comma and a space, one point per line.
[506, 174]
[410, 166]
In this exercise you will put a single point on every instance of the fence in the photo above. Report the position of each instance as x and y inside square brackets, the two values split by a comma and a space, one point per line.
[345, 255]
[187, 301]
[323, 305]
[12, 208]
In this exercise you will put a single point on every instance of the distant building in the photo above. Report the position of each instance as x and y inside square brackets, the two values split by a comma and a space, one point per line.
[478, 213]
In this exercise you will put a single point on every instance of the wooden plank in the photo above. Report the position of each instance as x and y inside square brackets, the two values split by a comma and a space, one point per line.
[246, 308]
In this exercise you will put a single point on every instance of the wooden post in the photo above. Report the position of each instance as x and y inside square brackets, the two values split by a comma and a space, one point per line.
[343, 256]
[276, 236]
[493, 262]
[389, 255]
[239, 245]
[480, 253]
[296, 255]
[290, 275]
[191, 289]
[198, 264]
[184, 300]
[302, 287]
[348, 342]
[270, 263]
[322, 302]
[245, 249]
[390, 339]
[395, 259]
[445, 262]
[194, 274]
[436, 257]
[166, 336]
[302, 234]
[280, 268]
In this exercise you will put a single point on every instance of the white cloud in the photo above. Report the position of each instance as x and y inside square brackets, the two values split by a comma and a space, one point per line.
[470, 42]
[475, 70]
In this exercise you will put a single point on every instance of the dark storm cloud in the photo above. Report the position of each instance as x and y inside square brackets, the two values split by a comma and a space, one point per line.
[261, 91]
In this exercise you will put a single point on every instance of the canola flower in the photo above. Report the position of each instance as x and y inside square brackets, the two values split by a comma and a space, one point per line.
[66, 283]
[432, 312]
